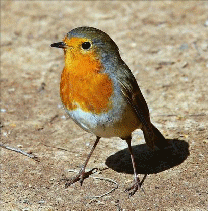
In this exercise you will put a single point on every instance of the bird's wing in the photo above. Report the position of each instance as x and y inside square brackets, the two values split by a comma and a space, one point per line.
[134, 97]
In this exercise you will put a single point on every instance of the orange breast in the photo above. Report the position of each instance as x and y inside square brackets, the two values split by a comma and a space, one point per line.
[84, 85]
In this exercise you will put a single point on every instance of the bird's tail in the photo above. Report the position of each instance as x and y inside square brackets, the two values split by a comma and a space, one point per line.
[154, 137]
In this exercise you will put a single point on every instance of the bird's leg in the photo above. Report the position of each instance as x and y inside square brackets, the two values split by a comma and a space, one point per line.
[137, 183]
[82, 174]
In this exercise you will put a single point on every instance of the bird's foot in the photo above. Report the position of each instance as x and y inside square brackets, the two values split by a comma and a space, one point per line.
[81, 176]
[133, 189]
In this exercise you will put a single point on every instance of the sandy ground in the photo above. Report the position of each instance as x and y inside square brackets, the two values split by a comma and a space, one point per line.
[165, 44]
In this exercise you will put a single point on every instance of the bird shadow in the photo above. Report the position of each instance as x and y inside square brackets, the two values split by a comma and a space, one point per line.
[149, 161]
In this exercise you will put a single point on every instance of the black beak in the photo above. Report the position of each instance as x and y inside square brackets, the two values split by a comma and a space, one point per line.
[59, 45]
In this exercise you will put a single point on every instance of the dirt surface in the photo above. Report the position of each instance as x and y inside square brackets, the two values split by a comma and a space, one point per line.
[165, 45]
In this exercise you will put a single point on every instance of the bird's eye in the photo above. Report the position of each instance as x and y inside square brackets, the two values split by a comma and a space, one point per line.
[86, 45]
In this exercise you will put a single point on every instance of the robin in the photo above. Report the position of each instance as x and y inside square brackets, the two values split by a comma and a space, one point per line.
[100, 93]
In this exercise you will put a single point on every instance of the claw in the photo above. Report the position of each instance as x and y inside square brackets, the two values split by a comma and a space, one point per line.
[81, 176]
[137, 185]
[134, 188]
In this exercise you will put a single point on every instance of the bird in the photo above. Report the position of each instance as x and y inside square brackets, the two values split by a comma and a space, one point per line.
[101, 95]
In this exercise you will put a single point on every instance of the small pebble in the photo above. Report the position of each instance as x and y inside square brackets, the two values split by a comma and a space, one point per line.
[41, 202]
[25, 201]
[133, 45]
[60, 106]
[205, 141]
[5, 134]
[185, 64]
[201, 128]
[11, 90]
[206, 23]
[19, 146]
[63, 117]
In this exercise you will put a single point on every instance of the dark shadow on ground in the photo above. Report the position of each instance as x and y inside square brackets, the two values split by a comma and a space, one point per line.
[150, 162]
